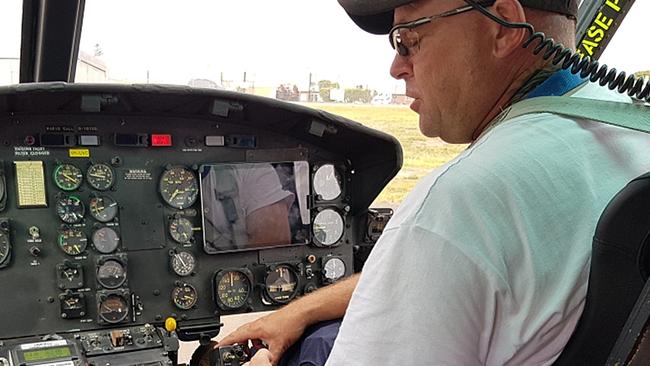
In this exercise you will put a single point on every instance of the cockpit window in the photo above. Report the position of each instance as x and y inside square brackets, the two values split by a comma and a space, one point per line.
[252, 46]
[628, 50]
[10, 20]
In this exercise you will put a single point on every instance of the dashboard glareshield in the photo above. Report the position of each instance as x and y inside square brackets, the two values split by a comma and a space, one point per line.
[238, 201]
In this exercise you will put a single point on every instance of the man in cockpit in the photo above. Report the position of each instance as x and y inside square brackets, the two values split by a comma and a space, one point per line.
[486, 261]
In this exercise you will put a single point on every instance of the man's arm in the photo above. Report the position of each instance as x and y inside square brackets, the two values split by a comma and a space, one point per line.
[282, 328]
[269, 225]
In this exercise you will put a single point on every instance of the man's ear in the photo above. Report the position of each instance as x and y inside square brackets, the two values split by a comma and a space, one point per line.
[507, 40]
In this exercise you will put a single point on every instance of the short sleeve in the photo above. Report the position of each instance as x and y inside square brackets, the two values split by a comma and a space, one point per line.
[425, 302]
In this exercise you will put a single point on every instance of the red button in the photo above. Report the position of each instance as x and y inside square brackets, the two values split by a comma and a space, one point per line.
[161, 140]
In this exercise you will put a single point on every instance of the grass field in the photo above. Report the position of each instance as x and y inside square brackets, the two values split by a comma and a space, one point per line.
[421, 154]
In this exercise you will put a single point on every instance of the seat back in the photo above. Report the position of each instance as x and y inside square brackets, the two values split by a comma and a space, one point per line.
[619, 269]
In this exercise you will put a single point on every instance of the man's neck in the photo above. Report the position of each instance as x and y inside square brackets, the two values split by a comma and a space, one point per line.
[523, 84]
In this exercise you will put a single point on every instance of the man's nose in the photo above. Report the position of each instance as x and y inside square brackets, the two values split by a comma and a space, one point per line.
[401, 68]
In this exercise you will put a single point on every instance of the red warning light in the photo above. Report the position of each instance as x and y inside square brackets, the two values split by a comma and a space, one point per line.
[161, 140]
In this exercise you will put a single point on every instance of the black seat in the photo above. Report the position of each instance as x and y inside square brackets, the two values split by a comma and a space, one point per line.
[619, 269]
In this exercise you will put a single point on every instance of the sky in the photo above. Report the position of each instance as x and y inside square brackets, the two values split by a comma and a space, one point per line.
[271, 41]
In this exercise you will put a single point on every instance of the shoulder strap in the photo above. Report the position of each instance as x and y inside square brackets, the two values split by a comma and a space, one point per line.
[627, 115]
[631, 116]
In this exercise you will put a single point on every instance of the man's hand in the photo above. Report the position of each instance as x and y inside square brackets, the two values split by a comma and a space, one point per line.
[261, 358]
[279, 330]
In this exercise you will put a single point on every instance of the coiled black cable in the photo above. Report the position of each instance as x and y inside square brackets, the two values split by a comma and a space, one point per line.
[634, 86]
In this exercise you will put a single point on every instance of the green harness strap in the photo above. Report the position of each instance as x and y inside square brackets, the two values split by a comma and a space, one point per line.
[631, 116]
[627, 115]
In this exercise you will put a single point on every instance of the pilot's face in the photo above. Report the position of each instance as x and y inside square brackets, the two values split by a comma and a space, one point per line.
[442, 74]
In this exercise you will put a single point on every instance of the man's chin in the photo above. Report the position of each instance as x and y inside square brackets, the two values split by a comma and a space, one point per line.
[415, 105]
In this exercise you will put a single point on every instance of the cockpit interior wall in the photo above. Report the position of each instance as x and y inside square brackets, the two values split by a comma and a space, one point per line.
[123, 206]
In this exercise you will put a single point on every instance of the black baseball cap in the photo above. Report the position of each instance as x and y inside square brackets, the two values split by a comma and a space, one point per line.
[376, 16]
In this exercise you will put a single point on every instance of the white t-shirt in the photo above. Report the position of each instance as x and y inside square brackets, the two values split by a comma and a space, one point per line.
[486, 261]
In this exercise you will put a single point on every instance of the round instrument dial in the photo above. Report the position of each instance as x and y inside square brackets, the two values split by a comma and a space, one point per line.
[5, 247]
[103, 208]
[179, 187]
[111, 274]
[72, 241]
[327, 182]
[70, 209]
[181, 230]
[333, 269]
[106, 240]
[328, 227]
[233, 289]
[183, 263]
[282, 284]
[185, 296]
[100, 176]
[68, 177]
[113, 309]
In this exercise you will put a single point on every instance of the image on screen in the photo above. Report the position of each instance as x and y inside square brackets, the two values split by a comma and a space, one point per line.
[254, 205]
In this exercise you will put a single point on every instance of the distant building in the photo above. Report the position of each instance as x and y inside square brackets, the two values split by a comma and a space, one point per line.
[337, 95]
[204, 83]
[90, 69]
[401, 99]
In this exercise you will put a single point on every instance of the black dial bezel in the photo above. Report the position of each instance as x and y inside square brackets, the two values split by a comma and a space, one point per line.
[94, 182]
[246, 275]
[186, 175]
[287, 297]
[182, 286]
[115, 285]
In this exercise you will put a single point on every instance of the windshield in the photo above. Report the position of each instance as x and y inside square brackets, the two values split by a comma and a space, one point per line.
[628, 50]
[11, 11]
[247, 44]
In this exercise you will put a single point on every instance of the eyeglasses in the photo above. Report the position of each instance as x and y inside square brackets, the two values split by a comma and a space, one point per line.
[405, 39]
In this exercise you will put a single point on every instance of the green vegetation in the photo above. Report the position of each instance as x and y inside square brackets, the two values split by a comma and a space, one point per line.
[421, 154]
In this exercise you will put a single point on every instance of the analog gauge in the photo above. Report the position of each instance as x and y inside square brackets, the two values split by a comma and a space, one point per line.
[181, 230]
[333, 269]
[5, 247]
[103, 208]
[111, 274]
[183, 263]
[328, 227]
[68, 177]
[70, 209]
[72, 241]
[113, 308]
[100, 176]
[106, 240]
[326, 182]
[73, 305]
[233, 289]
[179, 187]
[70, 275]
[281, 284]
[184, 296]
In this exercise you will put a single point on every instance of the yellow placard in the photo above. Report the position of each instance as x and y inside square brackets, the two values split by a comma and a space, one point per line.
[79, 153]
[30, 181]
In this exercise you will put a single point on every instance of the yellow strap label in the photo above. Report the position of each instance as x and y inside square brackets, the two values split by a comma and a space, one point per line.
[79, 153]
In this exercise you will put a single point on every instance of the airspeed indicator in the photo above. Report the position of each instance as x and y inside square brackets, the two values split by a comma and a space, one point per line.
[233, 288]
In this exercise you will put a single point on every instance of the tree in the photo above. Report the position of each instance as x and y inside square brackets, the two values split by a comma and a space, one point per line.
[324, 87]
[358, 95]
